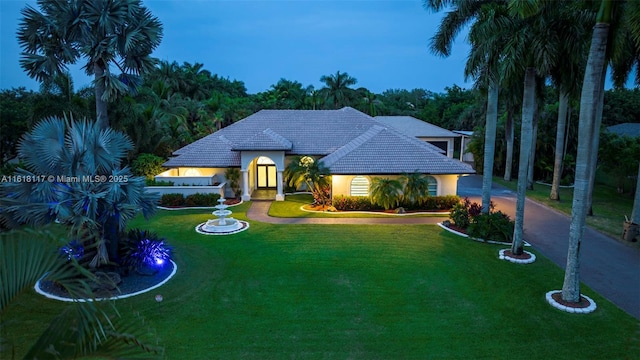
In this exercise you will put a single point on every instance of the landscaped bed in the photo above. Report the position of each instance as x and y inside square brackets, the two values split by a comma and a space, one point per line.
[362, 292]
[300, 205]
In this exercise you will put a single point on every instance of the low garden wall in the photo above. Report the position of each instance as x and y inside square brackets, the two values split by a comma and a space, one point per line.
[188, 190]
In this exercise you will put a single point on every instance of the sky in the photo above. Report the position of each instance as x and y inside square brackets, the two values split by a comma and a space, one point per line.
[383, 44]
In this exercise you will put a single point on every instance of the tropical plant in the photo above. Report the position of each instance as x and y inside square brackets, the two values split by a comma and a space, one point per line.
[76, 179]
[337, 90]
[233, 177]
[385, 192]
[123, 33]
[316, 177]
[83, 328]
[144, 250]
[415, 188]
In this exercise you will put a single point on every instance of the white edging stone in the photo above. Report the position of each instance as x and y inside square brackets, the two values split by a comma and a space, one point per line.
[589, 309]
[245, 226]
[502, 256]
[60, 298]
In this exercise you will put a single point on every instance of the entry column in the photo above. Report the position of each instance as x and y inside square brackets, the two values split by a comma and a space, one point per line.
[279, 195]
[245, 186]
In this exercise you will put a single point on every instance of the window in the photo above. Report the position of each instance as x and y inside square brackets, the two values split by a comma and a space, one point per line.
[359, 186]
[433, 186]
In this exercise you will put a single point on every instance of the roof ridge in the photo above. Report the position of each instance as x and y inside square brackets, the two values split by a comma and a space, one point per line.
[277, 137]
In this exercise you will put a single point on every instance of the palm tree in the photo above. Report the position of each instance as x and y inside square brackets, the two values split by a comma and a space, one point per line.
[316, 177]
[118, 33]
[337, 90]
[416, 187]
[482, 63]
[385, 192]
[82, 184]
[81, 329]
[565, 75]
[616, 14]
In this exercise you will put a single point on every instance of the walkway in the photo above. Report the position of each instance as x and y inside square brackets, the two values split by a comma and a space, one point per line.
[609, 267]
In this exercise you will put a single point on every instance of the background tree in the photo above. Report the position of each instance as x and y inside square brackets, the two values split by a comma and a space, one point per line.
[337, 90]
[123, 34]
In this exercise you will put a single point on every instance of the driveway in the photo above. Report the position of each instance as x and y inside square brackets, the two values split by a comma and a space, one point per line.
[608, 266]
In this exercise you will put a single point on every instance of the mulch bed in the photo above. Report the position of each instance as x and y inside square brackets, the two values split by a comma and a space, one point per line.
[523, 256]
[131, 283]
[583, 303]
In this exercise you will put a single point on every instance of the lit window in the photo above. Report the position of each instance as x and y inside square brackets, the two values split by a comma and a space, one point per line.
[433, 186]
[359, 186]
[263, 160]
[192, 172]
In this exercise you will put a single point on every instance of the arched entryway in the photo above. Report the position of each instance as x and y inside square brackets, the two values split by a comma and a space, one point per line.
[266, 174]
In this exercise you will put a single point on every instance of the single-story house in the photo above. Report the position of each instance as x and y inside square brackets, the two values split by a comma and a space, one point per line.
[354, 146]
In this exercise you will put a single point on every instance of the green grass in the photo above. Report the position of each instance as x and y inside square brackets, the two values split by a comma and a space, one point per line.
[360, 292]
[609, 207]
[291, 208]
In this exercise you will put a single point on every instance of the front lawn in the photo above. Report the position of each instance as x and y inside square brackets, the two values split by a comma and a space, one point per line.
[360, 292]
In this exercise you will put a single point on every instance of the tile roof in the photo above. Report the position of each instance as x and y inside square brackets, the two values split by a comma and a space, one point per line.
[625, 129]
[415, 127]
[264, 140]
[383, 150]
[353, 141]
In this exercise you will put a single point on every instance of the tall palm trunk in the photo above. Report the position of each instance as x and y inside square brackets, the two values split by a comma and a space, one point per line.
[528, 109]
[101, 105]
[563, 103]
[635, 214]
[509, 135]
[489, 144]
[534, 141]
[596, 145]
[587, 133]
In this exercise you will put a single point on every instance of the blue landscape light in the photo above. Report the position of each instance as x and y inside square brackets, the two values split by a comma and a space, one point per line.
[72, 250]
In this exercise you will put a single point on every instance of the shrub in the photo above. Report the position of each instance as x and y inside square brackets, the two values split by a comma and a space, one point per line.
[494, 225]
[153, 182]
[354, 203]
[440, 202]
[172, 200]
[143, 248]
[460, 216]
[147, 165]
[201, 199]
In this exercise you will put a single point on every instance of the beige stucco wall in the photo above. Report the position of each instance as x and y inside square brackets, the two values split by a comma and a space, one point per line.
[341, 184]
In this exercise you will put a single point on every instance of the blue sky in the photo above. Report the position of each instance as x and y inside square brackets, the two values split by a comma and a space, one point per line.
[383, 44]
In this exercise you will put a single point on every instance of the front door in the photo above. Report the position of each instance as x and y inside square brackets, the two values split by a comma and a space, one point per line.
[267, 176]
